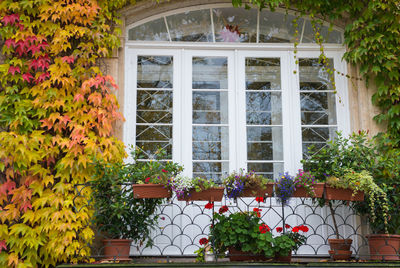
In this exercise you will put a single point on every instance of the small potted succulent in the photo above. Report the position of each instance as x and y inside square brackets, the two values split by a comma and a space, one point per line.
[240, 184]
[290, 239]
[242, 234]
[151, 177]
[306, 185]
[191, 189]
[120, 218]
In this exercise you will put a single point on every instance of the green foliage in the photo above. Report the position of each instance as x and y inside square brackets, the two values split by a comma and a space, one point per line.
[157, 170]
[355, 152]
[283, 245]
[242, 231]
[117, 214]
[183, 185]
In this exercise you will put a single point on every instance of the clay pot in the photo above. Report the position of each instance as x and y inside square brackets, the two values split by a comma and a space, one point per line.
[340, 248]
[318, 190]
[238, 255]
[342, 194]
[258, 192]
[287, 258]
[211, 195]
[384, 247]
[117, 249]
[150, 191]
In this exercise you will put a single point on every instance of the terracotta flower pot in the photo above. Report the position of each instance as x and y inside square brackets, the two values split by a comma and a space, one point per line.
[238, 255]
[117, 249]
[340, 248]
[150, 191]
[212, 194]
[384, 247]
[342, 194]
[318, 190]
[280, 258]
[258, 192]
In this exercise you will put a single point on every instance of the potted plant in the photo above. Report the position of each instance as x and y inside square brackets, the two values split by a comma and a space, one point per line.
[243, 235]
[290, 239]
[150, 178]
[347, 164]
[240, 184]
[118, 216]
[306, 185]
[192, 189]
[284, 188]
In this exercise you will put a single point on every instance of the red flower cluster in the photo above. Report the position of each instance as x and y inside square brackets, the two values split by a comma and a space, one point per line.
[264, 228]
[287, 226]
[257, 210]
[279, 229]
[147, 180]
[260, 199]
[302, 228]
[223, 209]
[209, 205]
[163, 170]
[203, 241]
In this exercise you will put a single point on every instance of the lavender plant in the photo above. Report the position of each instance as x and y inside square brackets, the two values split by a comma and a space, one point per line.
[305, 179]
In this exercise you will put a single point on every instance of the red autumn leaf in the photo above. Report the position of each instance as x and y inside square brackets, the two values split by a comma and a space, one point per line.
[34, 49]
[27, 77]
[10, 19]
[14, 69]
[10, 42]
[42, 77]
[3, 245]
[43, 45]
[33, 64]
[43, 62]
[78, 97]
[68, 59]
[25, 205]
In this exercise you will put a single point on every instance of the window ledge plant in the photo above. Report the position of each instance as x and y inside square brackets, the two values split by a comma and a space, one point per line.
[240, 184]
[188, 189]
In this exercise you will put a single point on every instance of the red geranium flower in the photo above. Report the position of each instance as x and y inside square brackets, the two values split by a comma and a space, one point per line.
[203, 241]
[209, 205]
[257, 210]
[279, 229]
[287, 226]
[260, 199]
[163, 170]
[223, 209]
[147, 179]
[264, 228]
[295, 229]
[303, 228]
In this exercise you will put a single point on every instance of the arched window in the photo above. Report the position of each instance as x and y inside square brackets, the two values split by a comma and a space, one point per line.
[219, 89]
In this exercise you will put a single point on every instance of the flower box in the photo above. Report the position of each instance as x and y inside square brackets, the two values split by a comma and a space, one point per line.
[212, 194]
[150, 191]
[384, 247]
[238, 255]
[302, 192]
[342, 194]
[252, 192]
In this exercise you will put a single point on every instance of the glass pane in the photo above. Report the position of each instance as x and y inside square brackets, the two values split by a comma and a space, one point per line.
[276, 27]
[192, 26]
[317, 138]
[263, 74]
[151, 31]
[161, 133]
[210, 143]
[318, 108]
[154, 106]
[235, 25]
[269, 170]
[333, 36]
[154, 72]
[263, 108]
[210, 73]
[149, 148]
[210, 170]
[210, 107]
[264, 143]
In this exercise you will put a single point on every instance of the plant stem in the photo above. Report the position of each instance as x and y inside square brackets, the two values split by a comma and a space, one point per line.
[334, 220]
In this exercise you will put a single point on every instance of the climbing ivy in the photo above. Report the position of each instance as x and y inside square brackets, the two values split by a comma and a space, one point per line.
[57, 112]
[372, 37]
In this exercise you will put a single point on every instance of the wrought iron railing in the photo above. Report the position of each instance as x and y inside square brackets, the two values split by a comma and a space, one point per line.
[182, 224]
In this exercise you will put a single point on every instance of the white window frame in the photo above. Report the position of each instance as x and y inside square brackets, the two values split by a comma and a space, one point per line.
[182, 127]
